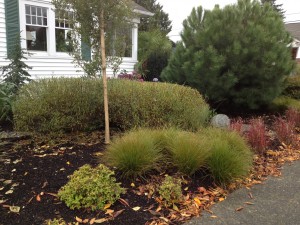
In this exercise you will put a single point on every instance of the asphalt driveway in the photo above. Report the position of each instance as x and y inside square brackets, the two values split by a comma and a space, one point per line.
[276, 202]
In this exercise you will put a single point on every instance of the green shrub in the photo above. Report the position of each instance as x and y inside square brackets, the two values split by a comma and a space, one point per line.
[297, 70]
[154, 51]
[292, 89]
[59, 105]
[170, 190]
[136, 153]
[55, 222]
[230, 156]
[224, 153]
[231, 56]
[283, 103]
[6, 99]
[77, 104]
[188, 152]
[91, 188]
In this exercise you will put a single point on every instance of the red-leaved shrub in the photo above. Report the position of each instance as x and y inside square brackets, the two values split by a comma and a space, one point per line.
[237, 125]
[256, 135]
[293, 116]
[285, 130]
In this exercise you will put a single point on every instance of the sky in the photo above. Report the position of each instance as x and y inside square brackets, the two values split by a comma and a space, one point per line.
[179, 10]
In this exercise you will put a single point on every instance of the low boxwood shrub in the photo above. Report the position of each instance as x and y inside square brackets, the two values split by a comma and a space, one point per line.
[292, 89]
[230, 157]
[91, 188]
[73, 104]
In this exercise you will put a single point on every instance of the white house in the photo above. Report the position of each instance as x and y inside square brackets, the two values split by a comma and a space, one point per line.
[294, 29]
[42, 35]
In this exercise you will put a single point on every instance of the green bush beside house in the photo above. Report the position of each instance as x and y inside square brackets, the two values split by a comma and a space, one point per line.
[67, 104]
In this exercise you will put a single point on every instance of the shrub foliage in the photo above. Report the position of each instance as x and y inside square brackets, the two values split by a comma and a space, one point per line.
[135, 154]
[230, 157]
[224, 153]
[292, 89]
[170, 190]
[91, 188]
[237, 55]
[77, 104]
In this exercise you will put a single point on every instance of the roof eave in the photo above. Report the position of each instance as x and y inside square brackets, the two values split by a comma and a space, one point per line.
[144, 13]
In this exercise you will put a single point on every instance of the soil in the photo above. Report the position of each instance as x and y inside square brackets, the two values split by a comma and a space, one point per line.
[35, 169]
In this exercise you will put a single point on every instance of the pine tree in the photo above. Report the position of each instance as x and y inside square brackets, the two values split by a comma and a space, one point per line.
[160, 20]
[237, 55]
[277, 7]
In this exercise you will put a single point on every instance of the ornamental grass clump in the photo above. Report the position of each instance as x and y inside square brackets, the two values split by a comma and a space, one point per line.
[230, 157]
[256, 135]
[237, 125]
[188, 152]
[285, 131]
[293, 116]
[91, 188]
[170, 190]
[136, 153]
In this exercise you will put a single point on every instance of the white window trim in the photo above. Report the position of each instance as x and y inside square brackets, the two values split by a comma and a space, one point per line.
[51, 42]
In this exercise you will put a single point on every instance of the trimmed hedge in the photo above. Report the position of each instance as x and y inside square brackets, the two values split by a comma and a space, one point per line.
[72, 104]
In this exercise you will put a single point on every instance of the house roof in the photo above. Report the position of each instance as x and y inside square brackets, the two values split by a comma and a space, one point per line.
[294, 29]
[141, 10]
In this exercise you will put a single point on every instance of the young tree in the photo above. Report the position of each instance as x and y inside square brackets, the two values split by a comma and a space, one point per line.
[160, 20]
[238, 55]
[16, 72]
[97, 23]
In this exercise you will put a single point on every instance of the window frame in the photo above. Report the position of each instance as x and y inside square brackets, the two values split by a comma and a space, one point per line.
[50, 32]
[36, 25]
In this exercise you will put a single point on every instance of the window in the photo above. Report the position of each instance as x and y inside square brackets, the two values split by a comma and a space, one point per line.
[127, 45]
[63, 32]
[36, 27]
[121, 43]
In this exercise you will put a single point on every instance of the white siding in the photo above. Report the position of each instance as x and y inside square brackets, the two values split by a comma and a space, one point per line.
[2, 35]
[45, 65]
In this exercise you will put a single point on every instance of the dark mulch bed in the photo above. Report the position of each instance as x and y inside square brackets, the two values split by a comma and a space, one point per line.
[33, 167]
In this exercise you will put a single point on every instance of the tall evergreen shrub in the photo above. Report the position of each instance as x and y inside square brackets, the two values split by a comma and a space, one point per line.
[237, 55]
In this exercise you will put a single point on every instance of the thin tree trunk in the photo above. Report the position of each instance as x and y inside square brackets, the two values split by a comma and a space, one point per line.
[104, 78]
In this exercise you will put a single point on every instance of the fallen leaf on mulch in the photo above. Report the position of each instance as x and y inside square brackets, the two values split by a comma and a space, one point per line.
[78, 219]
[100, 220]
[118, 213]
[9, 192]
[15, 209]
[137, 208]
[38, 198]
